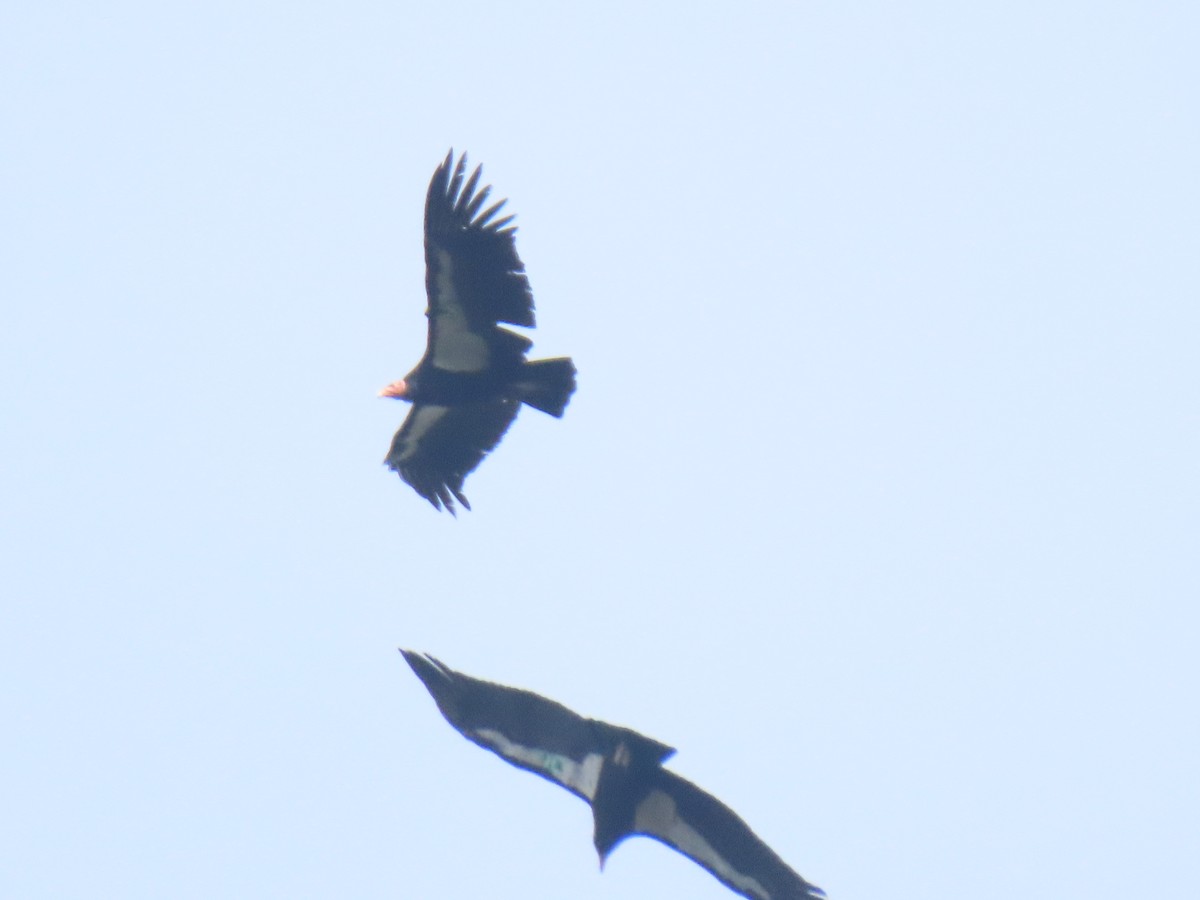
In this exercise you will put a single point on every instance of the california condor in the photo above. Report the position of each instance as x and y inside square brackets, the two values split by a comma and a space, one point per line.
[474, 376]
[619, 772]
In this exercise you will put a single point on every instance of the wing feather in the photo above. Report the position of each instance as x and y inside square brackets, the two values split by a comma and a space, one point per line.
[492, 210]
[467, 194]
[478, 201]
[500, 223]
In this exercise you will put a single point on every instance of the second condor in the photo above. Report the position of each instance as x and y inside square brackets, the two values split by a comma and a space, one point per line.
[616, 770]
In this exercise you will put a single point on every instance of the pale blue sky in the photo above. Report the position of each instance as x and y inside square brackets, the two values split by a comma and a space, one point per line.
[879, 497]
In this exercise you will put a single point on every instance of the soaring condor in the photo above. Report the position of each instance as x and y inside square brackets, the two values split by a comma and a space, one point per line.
[619, 772]
[474, 376]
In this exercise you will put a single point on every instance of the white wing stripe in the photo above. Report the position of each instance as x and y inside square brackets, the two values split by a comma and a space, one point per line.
[656, 816]
[455, 347]
[580, 777]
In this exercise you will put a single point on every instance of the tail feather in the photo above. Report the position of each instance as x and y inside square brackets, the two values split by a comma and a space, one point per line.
[547, 384]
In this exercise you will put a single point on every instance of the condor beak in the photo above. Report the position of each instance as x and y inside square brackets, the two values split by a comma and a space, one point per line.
[397, 389]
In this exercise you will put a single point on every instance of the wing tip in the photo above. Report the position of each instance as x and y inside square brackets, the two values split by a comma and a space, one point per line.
[440, 496]
[426, 664]
[463, 200]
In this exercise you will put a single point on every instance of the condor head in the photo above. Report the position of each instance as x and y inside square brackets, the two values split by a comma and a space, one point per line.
[401, 390]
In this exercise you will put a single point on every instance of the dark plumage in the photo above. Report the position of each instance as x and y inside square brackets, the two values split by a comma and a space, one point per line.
[619, 772]
[473, 378]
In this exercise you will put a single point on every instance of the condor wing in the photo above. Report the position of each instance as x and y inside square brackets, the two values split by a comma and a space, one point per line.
[438, 446]
[708, 832]
[473, 277]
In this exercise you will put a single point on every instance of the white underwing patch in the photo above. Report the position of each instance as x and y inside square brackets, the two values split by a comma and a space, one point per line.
[455, 347]
[580, 777]
[658, 817]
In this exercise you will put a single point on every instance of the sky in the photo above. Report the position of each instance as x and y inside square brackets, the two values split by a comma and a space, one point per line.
[879, 497]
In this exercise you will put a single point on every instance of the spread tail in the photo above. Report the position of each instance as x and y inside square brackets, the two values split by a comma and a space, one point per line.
[547, 384]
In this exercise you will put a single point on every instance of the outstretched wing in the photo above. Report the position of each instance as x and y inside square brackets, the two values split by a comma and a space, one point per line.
[707, 831]
[526, 729]
[473, 276]
[438, 446]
